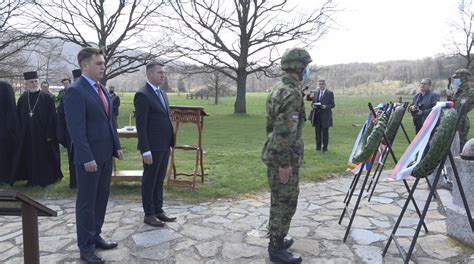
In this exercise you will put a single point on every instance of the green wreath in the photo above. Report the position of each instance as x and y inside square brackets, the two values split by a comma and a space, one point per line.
[438, 145]
[368, 144]
[394, 123]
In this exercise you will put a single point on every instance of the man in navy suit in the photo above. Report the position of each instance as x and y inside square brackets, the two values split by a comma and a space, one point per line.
[321, 115]
[155, 138]
[88, 112]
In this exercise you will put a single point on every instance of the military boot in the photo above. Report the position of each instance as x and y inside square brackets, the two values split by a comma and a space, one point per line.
[288, 242]
[278, 252]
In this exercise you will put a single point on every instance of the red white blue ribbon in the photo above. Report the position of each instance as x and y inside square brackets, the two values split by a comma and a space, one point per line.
[414, 152]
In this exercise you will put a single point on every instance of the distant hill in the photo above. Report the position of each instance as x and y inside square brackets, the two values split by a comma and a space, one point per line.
[405, 72]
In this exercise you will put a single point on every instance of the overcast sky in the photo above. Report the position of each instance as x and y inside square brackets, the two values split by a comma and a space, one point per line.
[380, 30]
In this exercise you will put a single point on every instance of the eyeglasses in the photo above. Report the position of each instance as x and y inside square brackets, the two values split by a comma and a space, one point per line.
[424, 83]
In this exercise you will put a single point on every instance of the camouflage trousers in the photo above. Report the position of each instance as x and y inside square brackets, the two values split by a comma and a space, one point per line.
[284, 199]
[463, 129]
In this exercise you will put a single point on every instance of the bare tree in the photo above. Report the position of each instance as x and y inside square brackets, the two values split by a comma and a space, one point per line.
[14, 36]
[241, 37]
[117, 27]
[216, 83]
[462, 33]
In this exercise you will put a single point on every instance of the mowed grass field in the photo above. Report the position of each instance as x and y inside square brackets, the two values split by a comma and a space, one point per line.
[232, 145]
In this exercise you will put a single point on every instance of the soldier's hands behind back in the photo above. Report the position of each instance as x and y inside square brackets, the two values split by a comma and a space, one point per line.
[285, 174]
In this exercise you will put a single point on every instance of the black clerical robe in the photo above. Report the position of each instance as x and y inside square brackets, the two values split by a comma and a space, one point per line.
[37, 159]
[8, 130]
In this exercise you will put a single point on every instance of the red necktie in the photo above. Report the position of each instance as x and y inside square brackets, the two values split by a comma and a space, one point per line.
[102, 97]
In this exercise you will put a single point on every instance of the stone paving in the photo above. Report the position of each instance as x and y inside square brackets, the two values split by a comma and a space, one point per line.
[233, 231]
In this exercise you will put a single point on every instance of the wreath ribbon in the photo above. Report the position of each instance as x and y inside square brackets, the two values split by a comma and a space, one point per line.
[414, 153]
[357, 141]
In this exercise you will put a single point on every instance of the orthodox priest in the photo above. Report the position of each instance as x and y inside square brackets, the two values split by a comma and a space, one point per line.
[37, 159]
[8, 130]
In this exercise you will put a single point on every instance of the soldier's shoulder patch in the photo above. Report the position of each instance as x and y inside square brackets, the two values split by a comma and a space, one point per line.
[295, 116]
[294, 119]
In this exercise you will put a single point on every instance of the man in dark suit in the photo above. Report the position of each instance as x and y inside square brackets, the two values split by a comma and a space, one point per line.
[63, 133]
[88, 112]
[322, 101]
[115, 104]
[422, 104]
[155, 138]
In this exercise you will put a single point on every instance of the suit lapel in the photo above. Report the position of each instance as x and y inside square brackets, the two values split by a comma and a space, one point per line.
[95, 95]
[154, 97]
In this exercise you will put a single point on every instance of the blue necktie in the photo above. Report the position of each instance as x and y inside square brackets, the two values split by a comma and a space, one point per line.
[160, 95]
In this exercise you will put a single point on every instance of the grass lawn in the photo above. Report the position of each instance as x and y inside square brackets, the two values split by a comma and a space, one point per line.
[232, 145]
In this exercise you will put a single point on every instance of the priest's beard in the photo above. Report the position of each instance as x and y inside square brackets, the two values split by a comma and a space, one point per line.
[34, 89]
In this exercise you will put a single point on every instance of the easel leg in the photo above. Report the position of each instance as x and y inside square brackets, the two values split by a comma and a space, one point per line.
[354, 211]
[378, 175]
[355, 179]
[378, 170]
[425, 210]
[400, 217]
[350, 192]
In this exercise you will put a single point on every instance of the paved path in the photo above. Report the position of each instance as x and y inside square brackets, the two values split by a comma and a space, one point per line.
[232, 231]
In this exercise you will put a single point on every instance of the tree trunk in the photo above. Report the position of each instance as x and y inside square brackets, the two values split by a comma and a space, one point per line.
[216, 100]
[240, 103]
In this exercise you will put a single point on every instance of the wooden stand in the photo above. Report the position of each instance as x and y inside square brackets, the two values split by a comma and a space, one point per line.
[126, 175]
[15, 203]
[187, 114]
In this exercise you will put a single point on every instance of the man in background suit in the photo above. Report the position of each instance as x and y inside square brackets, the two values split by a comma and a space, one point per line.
[88, 116]
[155, 138]
[422, 104]
[63, 134]
[321, 115]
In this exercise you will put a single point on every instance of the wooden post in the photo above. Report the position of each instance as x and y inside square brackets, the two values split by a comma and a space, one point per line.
[30, 234]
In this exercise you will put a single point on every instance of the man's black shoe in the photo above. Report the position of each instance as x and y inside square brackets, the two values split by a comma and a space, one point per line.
[318, 149]
[151, 220]
[102, 244]
[91, 257]
[165, 218]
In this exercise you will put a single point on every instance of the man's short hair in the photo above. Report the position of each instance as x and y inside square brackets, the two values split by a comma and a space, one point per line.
[428, 80]
[66, 79]
[87, 53]
[45, 83]
[152, 65]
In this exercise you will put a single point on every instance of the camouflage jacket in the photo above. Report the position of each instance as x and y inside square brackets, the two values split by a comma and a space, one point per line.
[464, 92]
[285, 121]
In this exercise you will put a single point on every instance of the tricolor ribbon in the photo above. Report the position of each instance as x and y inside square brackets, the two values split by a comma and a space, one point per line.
[413, 154]
[357, 141]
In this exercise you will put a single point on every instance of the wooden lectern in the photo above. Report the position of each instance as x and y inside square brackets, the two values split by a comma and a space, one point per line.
[16, 204]
[187, 114]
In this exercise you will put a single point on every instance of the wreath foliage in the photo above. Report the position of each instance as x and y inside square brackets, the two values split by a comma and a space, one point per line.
[371, 139]
[394, 123]
[438, 145]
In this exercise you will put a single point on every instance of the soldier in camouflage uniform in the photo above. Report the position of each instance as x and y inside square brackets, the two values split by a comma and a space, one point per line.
[283, 151]
[463, 93]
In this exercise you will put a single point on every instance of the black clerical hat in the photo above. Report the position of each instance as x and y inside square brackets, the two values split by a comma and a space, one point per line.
[76, 73]
[30, 75]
